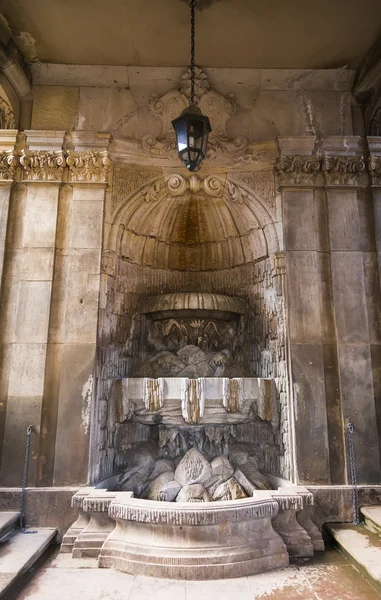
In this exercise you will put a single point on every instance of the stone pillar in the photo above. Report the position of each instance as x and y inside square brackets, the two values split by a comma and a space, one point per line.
[356, 295]
[7, 173]
[303, 215]
[374, 165]
[74, 340]
[333, 297]
[32, 235]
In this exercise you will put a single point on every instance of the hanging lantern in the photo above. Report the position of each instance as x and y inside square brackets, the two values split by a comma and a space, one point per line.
[191, 127]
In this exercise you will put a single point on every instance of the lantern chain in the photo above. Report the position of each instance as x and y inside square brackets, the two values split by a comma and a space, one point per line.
[192, 5]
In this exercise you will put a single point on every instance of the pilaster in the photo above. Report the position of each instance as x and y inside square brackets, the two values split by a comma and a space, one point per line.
[332, 303]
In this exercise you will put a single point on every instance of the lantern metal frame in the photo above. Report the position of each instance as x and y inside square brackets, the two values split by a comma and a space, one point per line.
[192, 127]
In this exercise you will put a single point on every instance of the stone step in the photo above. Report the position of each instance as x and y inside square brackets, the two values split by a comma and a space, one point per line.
[372, 516]
[362, 547]
[8, 523]
[20, 552]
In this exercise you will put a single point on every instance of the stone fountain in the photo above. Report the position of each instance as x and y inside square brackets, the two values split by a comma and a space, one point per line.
[196, 499]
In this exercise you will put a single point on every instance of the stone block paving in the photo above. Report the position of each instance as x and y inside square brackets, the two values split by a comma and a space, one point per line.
[328, 577]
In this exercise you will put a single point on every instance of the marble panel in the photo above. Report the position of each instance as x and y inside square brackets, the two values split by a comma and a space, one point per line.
[27, 370]
[37, 264]
[373, 296]
[356, 382]
[73, 423]
[303, 297]
[300, 227]
[33, 312]
[375, 351]
[328, 328]
[334, 414]
[349, 297]
[86, 224]
[54, 107]
[41, 216]
[344, 221]
[83, 279]
[310, 414]
[100, 108]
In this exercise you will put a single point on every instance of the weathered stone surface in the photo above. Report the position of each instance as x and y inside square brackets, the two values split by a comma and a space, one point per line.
[193, 493]
[229, 490]
[221, 466]
[244, 482]
[161, 466]
[193, 468]
[153, 491]
[169, 491]
[136, 483]
[140, 459]
[250, 470]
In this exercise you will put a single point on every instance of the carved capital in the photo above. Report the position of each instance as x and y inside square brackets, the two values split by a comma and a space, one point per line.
[374, 167]
[42, 165]
[298, 170]
[321, 170]
[88, 167]
[8, 164]
[343, 170]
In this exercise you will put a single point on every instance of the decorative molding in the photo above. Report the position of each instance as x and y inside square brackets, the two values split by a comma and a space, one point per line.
[320, 170]
[7, 116]
[161, 110]
[298, 169]
[374, 167]
[88, 167]
[343, 170]
[8, 164]
[42, 165]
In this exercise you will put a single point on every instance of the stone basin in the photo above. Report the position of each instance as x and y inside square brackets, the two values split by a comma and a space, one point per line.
[193, 540]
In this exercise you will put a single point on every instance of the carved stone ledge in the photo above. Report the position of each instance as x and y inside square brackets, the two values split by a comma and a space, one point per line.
[88, 167]
[42, 165]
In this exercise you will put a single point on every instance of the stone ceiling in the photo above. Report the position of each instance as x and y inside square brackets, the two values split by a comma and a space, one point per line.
[230, 33]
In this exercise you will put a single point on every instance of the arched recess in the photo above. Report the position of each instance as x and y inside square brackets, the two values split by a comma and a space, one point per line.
[193, 224]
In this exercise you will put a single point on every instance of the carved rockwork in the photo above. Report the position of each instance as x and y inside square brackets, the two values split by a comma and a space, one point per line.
[7, 116]
[88, 167]
[42, 165]
[8, 164]
[374, 166]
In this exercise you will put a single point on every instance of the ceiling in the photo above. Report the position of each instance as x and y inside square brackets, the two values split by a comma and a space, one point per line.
[230, 33]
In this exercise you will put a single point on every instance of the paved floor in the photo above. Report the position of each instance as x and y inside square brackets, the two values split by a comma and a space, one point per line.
[328, 577]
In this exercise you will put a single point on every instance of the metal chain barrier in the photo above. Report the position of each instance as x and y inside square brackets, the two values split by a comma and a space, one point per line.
[24, 480]
[352, 467]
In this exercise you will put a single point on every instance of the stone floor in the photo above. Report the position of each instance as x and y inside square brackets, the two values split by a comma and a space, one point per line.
[328, 577]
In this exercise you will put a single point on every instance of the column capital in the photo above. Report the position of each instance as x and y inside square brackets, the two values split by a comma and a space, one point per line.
[8, 160]
[308, 161]
[374, 160]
